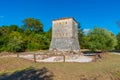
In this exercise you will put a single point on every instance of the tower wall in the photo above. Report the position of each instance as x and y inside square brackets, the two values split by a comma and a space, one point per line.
[64, 35]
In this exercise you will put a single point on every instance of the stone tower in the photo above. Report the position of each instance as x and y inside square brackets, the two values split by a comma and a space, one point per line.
[65, 35]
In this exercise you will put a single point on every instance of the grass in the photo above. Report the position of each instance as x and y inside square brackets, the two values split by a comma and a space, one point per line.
[105, 69]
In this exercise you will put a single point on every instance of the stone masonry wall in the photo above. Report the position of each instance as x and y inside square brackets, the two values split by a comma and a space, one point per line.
[64, 35]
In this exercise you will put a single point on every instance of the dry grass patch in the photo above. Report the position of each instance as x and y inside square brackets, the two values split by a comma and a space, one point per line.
[106, 69]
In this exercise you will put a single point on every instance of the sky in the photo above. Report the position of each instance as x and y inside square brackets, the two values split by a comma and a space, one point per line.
[89, 13]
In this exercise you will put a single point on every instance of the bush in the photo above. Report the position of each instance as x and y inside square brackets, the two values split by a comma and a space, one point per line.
[101, 39]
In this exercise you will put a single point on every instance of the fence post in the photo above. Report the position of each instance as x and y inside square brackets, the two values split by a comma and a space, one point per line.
[17, 54]
[63, 58]
[34, 57]
[96, 57]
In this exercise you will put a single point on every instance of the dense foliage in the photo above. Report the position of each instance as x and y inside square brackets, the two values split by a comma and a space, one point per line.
[32, 24]
[30, 36]
[118, 41]
[26, 38]
[101, 39]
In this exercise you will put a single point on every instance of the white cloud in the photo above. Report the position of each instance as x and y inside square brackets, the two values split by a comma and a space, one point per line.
[86, 30]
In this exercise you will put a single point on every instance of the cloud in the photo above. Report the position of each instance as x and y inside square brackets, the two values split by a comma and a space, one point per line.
[1, 16]
[86, 30]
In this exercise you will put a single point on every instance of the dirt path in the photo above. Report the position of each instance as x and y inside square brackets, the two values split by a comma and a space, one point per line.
[12, 55]
[73, 58]
[116, 53]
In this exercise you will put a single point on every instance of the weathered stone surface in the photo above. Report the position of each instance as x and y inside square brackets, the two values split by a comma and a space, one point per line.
[64, 35]
[65, 44]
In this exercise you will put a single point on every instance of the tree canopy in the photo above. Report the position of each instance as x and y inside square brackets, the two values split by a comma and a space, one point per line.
[30, 36]
[101, 39]
[33, 25]
[118, 41]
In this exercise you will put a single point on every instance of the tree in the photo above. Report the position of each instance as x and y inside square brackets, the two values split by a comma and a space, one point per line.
[101, 39]
[15, 42]
[80, 36]
[33, 25]
[118, 41]
[15, 28]
[4, 33]
[14, 39]
[85, 42]
[49, 34]
[42, 40]
[4, 30]
[3, 42]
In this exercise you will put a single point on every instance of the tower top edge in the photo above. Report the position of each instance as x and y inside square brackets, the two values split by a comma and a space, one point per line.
[65, 18]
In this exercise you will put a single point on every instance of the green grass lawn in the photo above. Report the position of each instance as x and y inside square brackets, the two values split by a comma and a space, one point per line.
[105, 69]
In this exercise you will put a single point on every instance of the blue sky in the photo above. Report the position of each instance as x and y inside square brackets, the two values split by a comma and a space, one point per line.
[90, 13]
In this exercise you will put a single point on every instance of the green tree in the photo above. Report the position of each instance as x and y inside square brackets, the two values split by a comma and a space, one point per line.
[15, 28]
[80, 36]
[4, 30]
[85, 42]
[15, 42]
[32, 24]
[49, 34]
[31, 37]
[37, 41]
[118, 41]
[4, 37]
[3, 42]
[101, 39]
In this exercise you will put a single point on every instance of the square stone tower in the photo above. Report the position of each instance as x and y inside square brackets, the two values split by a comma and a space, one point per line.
[65, 35]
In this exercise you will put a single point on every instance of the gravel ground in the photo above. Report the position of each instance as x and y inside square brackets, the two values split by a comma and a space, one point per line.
[58, 59]
[72, 58]
[116, 53]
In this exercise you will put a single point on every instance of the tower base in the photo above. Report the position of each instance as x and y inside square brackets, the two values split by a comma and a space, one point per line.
[64, 44]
